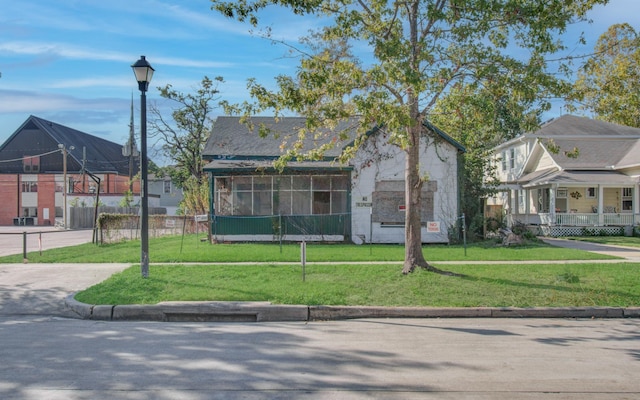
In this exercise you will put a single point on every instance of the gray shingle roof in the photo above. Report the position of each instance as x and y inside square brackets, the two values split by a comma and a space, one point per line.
[231, 138]
[601, 145]
[253, 165]
[571, 125]
[594, 153]
[577, 177]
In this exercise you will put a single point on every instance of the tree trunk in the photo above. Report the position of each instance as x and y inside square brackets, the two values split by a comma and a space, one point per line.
[413, 256]
[412, 193]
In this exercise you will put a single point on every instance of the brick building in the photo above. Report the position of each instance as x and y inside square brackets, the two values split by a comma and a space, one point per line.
[40, 154]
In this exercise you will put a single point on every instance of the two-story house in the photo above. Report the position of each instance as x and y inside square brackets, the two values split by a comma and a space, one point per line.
[571, 174]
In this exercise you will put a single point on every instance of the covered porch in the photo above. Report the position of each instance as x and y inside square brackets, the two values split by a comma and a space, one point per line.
[564, 203]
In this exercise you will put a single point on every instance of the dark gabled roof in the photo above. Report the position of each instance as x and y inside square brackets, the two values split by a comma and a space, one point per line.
[232, 139]
[445, 136]
[102, 156]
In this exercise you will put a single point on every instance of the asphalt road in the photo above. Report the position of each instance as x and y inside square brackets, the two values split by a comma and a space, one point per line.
[45, 355]
[54, 358]
[12, 238]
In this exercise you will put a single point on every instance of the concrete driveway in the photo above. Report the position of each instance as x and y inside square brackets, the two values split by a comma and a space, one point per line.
[40, 289]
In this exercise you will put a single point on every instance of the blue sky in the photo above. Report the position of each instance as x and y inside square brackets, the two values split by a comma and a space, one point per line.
[69, 60]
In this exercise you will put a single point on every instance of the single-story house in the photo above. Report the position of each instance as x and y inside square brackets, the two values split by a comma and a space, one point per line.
[360, 201]
[574, 175]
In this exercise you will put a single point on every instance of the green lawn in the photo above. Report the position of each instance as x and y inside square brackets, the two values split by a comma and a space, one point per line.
[539, 285]
[176, 249]
[351, 281]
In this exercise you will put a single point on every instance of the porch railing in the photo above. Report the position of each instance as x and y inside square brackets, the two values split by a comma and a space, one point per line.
[589, 219]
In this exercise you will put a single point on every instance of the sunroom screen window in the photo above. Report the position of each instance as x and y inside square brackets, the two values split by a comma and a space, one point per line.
[281, 194]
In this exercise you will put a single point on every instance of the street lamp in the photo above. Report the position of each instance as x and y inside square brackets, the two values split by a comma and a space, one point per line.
[64, 151]
[143, 71]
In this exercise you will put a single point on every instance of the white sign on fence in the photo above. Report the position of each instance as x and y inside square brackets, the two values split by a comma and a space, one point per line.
[201, 218]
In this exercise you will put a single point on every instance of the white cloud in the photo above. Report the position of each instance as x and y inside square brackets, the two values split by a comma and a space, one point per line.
[61, 50]
[15, 101]
[69, 51]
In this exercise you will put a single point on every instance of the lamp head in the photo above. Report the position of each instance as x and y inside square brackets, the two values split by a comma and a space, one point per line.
[143, 72]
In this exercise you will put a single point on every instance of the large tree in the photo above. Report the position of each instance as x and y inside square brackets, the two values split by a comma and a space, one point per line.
[389, 62]
[480, 118]
[184, 135]
[608, 84]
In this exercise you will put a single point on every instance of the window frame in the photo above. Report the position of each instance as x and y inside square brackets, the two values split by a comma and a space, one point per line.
[296, 192]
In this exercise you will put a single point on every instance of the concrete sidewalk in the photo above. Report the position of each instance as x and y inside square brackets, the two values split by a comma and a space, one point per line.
[628, 253]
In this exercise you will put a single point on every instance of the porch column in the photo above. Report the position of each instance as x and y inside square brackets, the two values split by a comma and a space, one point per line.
[527, 206]
[636, 202]
[552, 203]
[600, 205]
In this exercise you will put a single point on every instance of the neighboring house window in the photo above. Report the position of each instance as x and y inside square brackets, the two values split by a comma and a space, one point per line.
[591, 193]
[627, 199]
[29, 187]
[31, 164]
[281, 195]
[543, 201]
[504, 160]
[30, 212]
[512, 158]
[521, 201]
[167, 187]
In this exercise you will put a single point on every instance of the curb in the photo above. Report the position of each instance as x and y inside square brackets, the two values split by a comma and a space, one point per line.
[222, 311]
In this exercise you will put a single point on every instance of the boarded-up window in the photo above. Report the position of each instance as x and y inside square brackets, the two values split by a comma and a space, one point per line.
[389, 205]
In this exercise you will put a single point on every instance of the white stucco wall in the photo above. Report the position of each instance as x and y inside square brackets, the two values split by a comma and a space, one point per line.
[438, 163]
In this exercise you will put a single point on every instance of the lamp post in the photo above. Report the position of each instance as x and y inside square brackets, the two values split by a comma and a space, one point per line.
[143, 72]
[64, 151]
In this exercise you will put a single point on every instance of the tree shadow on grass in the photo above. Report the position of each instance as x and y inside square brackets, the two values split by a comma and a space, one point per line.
[578, 289]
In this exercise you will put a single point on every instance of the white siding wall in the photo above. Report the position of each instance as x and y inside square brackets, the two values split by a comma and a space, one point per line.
[439, 166]
[545, 162]
[515, 156]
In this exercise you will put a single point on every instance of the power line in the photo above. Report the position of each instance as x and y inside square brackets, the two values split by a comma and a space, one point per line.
[35, 155]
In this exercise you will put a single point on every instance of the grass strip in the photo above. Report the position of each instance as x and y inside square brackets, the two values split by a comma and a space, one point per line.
[540, 285]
